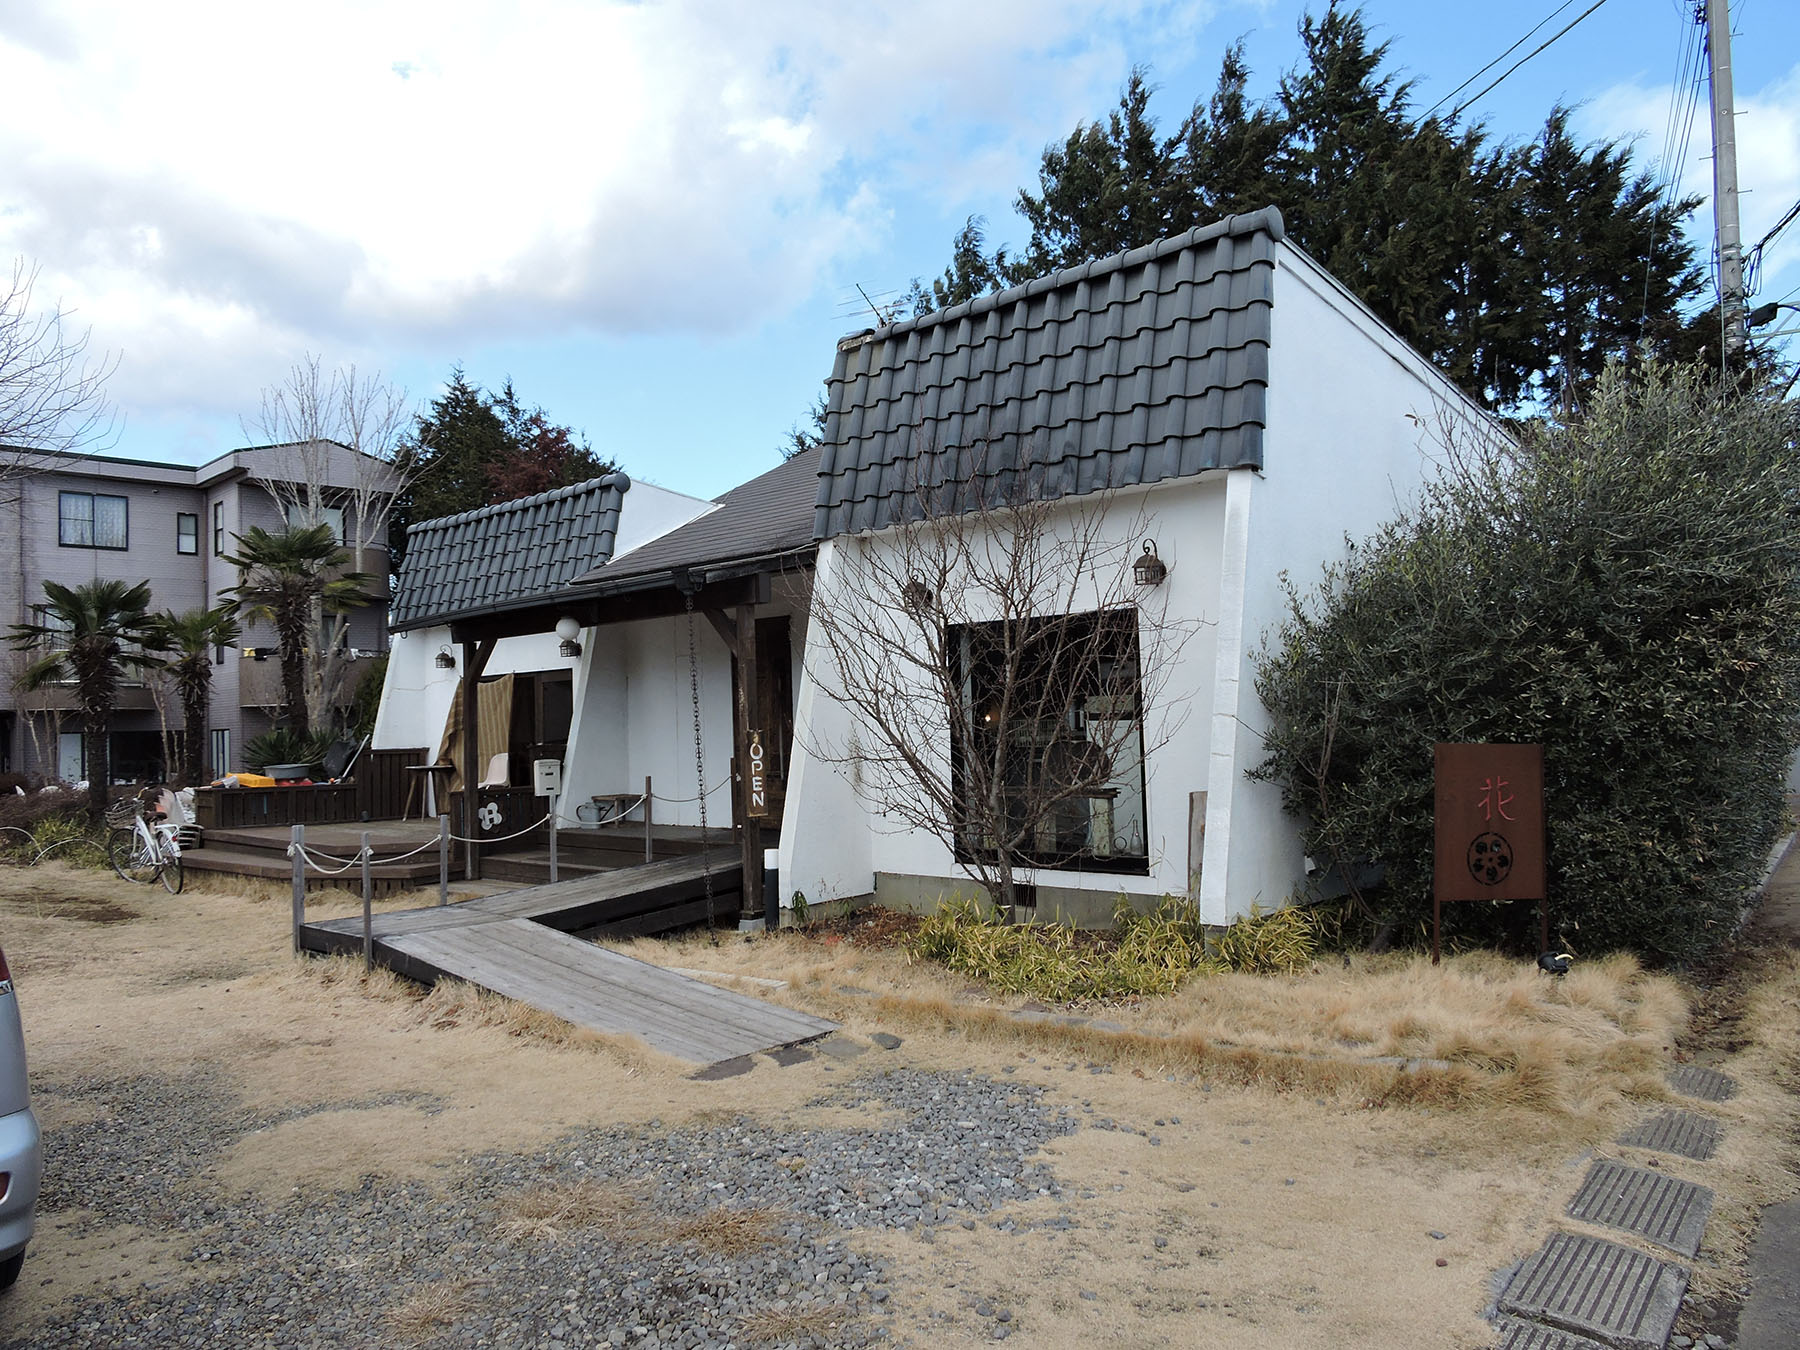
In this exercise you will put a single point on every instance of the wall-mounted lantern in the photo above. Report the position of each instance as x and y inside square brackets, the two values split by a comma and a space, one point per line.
[1148, 570]
[568, 628]
[444, 660]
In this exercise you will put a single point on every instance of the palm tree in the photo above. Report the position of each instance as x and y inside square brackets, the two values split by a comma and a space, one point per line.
[190, 639]
[292, 577]
[95, 633]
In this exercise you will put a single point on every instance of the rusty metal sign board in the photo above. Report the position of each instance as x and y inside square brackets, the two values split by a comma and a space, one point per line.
[1490, 834]
[1490, 822]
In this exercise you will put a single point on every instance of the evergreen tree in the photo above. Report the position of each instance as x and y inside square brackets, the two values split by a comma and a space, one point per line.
[1518, 269]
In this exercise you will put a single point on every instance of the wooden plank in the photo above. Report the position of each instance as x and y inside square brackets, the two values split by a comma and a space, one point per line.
[610, 993]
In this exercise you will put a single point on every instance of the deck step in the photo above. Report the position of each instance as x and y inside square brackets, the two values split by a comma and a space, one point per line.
[261, 865]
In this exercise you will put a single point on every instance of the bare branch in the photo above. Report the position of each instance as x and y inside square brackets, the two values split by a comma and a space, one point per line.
[52, 394]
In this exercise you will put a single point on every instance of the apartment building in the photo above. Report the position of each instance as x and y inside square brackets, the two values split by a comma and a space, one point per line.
[81, 518]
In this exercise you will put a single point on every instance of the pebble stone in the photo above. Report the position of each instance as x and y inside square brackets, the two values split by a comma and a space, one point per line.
[328, 1268]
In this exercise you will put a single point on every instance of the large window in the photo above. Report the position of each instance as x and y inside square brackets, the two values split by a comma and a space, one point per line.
[187, 532]
[299, 517]
[92, 520]
[1050, 753]
[218, 529]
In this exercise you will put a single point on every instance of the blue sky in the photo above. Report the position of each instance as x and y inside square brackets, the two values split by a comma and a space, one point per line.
[653, 217]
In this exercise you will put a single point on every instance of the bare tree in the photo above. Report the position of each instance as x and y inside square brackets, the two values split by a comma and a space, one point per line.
[52, 394]
[1006, 678]
[336, 436]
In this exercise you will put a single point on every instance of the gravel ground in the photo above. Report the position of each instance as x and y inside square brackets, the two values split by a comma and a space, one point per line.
[340, 1268]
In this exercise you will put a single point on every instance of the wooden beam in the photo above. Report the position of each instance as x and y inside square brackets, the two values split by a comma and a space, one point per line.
[655, 602]
[475, 659]
[748, 703]
[725, 628]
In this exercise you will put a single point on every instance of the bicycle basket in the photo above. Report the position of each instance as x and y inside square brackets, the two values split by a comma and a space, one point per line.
[124, 812]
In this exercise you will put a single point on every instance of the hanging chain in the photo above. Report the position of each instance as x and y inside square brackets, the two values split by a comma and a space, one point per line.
[699, 759]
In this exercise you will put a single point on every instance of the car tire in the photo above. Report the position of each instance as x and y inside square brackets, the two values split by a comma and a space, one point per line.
[10, 1267]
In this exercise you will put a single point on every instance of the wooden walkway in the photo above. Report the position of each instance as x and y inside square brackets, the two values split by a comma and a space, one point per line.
[518, 944]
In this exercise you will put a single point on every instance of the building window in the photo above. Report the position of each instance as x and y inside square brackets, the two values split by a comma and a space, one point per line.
[299, 517]
[1052, 730]
[60, 629]
[218, 529]
[92, 520]
[187, 532]
[220, 757]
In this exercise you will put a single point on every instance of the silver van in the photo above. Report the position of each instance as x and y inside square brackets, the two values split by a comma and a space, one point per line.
[21, 1146]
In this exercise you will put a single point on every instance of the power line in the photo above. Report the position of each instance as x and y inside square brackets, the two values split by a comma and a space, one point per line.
[1678, 130]
[1498, 59]
[1523, 59]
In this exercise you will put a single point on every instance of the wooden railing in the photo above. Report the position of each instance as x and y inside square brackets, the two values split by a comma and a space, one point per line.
[519, 808]
[382, 780]
[377, 791]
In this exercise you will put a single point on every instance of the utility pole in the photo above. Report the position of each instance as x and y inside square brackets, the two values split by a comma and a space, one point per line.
[1725, 181]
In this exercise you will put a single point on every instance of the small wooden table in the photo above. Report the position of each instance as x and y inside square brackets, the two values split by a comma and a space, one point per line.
[428, 774]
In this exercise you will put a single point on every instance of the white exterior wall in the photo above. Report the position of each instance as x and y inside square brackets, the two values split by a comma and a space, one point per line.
[833, 842]
[415, 701]
[1350, 441]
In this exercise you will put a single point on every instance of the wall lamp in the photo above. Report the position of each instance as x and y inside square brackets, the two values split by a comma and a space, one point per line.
[443, 660]
[1148, 570]
[568, 628]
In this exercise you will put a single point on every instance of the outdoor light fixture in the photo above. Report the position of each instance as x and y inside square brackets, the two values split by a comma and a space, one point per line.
[916, 596]
[444, 660]
[568, 628]
[1148, 570]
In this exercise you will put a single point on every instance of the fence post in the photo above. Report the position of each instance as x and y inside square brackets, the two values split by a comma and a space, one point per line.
[297, 848]
[553, 839]
[647, 800]
[368, 917]
[443, 860]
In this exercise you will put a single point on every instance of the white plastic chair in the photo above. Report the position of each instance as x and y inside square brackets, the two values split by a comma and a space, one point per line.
[498, 771]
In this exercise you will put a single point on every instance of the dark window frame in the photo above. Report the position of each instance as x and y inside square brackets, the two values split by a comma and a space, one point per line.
[1111, 641]
[193, 537]
[63, 519]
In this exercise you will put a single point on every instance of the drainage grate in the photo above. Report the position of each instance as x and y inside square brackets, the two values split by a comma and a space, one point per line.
[1614, 1294]
[1525, 1336]
[1709, 1085]
[1649, 1204]
[1685, 1132]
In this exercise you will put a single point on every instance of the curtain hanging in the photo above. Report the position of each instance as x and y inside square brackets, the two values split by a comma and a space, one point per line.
[494, 701]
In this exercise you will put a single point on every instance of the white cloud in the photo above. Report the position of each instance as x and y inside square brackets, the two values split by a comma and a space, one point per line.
[215, 186]
[1768, 146]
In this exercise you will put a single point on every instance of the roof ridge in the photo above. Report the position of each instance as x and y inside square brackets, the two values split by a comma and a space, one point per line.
[1266, 220]
[617, 478]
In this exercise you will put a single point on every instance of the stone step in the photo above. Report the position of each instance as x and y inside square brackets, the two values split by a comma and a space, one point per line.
[1646, 1203]
[1613, 1294]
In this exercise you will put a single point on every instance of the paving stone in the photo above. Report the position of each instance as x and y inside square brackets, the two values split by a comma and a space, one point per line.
[725, 1068]
[840, 1047]
[1594, 1288]
[1688, 1133]
[789, 1055]
[1638, 1200]
[1516, 1335]
[1709, 1085]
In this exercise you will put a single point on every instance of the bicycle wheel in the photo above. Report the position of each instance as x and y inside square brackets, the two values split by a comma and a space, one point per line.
[170, 872]
[129, 857]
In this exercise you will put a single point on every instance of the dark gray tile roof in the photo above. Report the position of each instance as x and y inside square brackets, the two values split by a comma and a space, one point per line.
[767, 516]
[1148, 365]
[477, 561]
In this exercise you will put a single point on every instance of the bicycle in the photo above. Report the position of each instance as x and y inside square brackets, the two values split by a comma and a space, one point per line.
[142, 846]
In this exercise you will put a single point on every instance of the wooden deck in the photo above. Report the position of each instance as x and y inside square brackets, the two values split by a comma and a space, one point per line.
[517, 943]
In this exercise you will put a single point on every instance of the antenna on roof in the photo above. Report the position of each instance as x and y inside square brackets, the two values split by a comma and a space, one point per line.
[882, 315]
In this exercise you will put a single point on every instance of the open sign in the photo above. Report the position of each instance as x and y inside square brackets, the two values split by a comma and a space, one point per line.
[756, 783]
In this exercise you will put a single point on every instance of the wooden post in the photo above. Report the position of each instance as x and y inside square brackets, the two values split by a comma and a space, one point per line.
[368, 916]
[647, 801]
[297, 845]
[750, 841]
[553, 839]
[474, 662]
[443, 860]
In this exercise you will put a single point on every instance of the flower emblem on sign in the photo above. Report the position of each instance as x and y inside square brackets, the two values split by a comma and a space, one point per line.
[490, 815]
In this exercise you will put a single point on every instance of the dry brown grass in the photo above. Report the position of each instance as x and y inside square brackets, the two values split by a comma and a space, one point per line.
[554, 1209]
[428, 1310]
[773, 1325]
[727, 1231]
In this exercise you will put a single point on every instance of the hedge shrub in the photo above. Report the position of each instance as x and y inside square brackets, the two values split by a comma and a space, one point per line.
[1623, 587]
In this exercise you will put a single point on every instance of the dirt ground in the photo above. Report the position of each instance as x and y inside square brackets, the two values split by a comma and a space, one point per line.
[1338, 1159]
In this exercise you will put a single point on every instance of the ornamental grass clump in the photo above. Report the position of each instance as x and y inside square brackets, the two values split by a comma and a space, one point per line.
[1145, 954]
[1621, 587]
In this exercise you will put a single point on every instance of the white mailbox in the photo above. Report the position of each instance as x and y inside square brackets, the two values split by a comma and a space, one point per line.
[546, 777]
